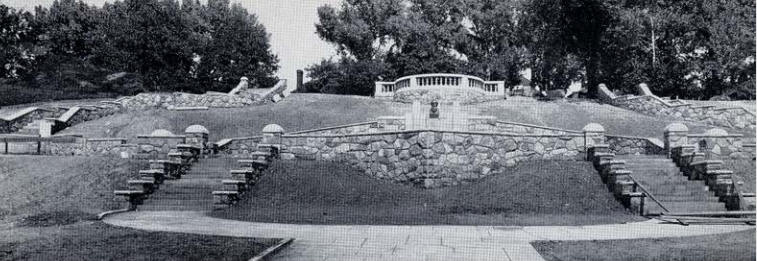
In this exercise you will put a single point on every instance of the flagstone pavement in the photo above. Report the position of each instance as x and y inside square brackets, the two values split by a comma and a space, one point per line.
[369, 242]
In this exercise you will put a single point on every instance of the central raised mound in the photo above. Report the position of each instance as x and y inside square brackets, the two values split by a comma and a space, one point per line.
[533, 193]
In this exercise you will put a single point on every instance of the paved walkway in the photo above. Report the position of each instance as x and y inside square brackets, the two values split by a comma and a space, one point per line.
[366, 242]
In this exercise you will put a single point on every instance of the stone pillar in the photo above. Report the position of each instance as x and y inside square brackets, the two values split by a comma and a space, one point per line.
[300, 79]
[676, 135]
[594, 134]
[197, 135]
[272, 138]
[46, 127]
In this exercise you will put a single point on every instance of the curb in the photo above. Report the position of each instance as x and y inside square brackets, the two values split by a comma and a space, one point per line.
[268, 253]
[108, 213]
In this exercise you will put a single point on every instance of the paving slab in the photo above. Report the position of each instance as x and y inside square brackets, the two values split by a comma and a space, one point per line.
[370, 242]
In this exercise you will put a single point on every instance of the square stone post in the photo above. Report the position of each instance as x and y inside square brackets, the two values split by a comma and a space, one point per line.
[197, 135]
[594, 134]
[676, 135]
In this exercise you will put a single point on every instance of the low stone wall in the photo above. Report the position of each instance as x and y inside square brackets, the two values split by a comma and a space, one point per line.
[623, 145]
[243, 98]
[14, 123]
[240, 147]
[88, 113]
[92, 147]
[430, 158]
[736, 117]
[158, 147]
[521, 128]
[726, 146]
[364, 127]
[427, 95]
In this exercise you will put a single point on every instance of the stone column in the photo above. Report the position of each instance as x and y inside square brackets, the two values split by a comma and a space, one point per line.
[594, 134]
[676, 135]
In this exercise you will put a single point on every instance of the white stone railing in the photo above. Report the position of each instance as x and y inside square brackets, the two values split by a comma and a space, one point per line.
[439, 80]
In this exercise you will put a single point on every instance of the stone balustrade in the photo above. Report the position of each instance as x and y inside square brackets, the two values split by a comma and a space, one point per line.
[440, 87]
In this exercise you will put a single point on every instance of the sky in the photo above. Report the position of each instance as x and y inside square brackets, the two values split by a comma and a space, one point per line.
[291, 24]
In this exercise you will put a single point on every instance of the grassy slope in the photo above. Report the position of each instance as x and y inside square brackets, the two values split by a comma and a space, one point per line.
[744, 170]
[732, 246]
[533, 193]
[32, 185]
[307, 111]
[98, 241]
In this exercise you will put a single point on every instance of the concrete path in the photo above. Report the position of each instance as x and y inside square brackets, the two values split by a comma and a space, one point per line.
[366, 242]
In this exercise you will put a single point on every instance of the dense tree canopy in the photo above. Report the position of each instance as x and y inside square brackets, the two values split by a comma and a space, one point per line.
[694, 49]
[164, 44]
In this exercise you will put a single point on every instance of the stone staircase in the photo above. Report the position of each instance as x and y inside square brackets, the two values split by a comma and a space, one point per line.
[667, 184]
[193, 191]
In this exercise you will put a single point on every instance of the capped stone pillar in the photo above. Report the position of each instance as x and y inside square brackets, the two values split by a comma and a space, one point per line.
[676, 135]
[197, 135]
[594, 134]
[272, 137]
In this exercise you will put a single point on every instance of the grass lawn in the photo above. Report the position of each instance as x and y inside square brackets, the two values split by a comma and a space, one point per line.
[744, 170]
[532, 193]
[732, 246]
[80, 187]
[309, 111]
[98, 241]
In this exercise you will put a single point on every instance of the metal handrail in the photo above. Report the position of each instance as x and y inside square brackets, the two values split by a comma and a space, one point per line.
[647, 193]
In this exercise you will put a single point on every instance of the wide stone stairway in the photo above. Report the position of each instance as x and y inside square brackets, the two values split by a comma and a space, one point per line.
[668, 185]
[193, 191]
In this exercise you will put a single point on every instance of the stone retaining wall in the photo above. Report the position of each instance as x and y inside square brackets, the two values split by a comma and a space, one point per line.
[729, 146]
[426, 96]
[243, 98]
[622, 145]
[89, 113]
[433, 158]
[17, 122]
[158, 147]
[240, 147]
[521, 128]
[92, 147]
[735, 117]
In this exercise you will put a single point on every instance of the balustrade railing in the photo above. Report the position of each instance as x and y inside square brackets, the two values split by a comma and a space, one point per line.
[439, 80]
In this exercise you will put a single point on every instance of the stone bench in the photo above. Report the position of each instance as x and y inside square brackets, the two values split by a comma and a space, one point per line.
[225, 197]
[135, 197]
[147, 185]
[155, 174]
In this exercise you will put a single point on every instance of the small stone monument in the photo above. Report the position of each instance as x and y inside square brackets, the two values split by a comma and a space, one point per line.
[434, 112]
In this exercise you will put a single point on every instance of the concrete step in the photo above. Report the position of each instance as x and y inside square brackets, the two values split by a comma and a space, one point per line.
[174, 208]
[695, 206]
[182, 196]
[180, 202]
[678, 198]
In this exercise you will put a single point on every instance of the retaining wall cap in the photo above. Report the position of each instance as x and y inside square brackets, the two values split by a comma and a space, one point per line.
[676, 127]
[161, 132]
[273, 128]
[197, 129]
[593, 127]
[716, 132]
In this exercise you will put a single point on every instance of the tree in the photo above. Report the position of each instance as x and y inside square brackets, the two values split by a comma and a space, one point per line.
[16, 42]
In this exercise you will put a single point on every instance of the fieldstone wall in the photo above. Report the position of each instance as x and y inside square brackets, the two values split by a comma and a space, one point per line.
[521, 128]
[426, 96]
[240, 147]
[623, 145]
[433, 158]
[113, 147]
[17, 122]
[88, 113]
[158, 147]
[736, 118]
[365, 127]
[719, 147]
[243, 98]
